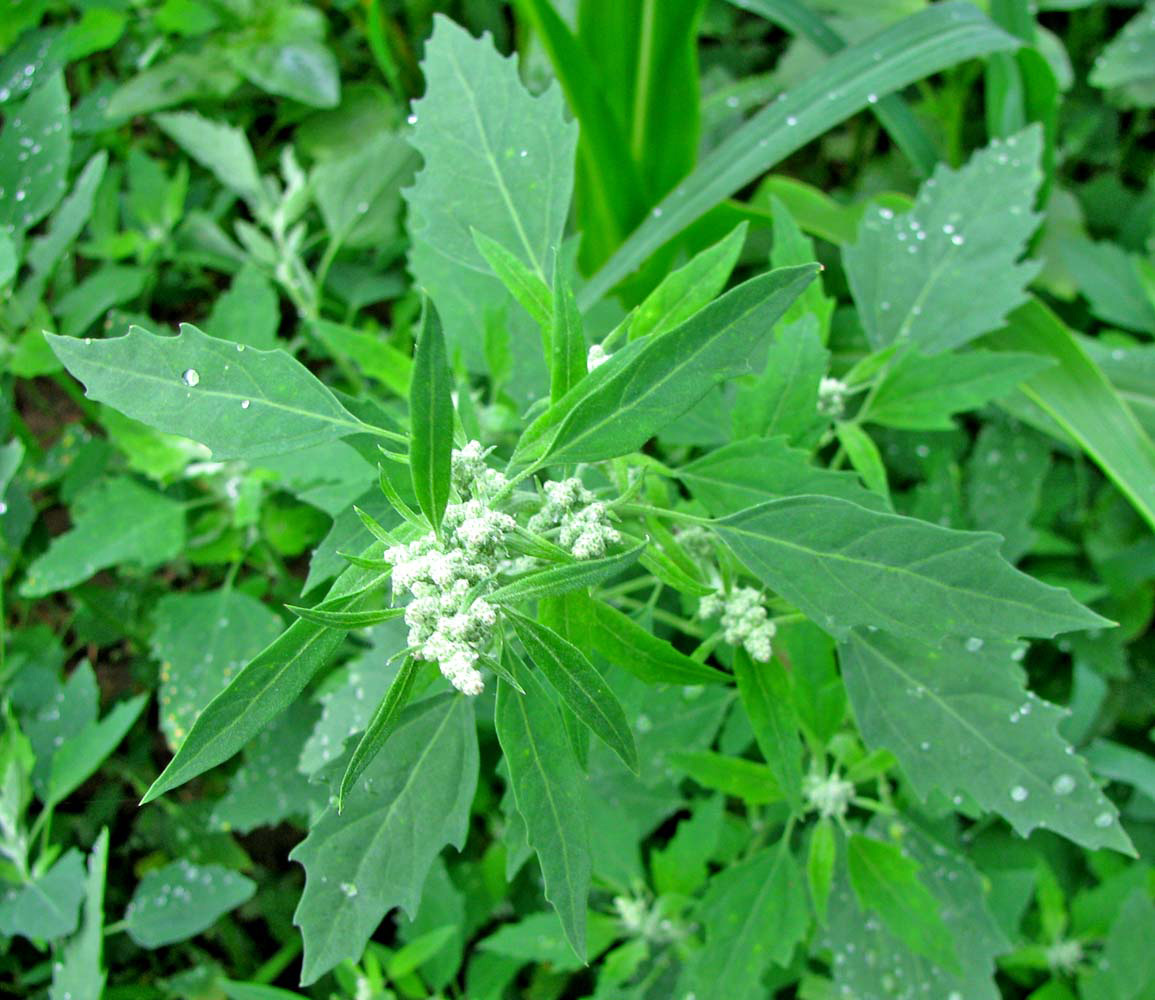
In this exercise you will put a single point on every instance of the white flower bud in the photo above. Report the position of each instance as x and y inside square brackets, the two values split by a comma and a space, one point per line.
[832, 397]
[596, 357]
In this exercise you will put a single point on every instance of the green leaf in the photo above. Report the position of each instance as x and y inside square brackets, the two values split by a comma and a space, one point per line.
[893, 114]
[266, 686]
[567, 341]
[201, 641]
[1126, 966]
[302, 69]
[1129, 58]
[240, 402]
[765, 693]
[754, 914]
[580, 685]
[670, 373]
[1111, 280]
[431, 416]
[820, 865]
[114, 522]
[375, 855]
[523, 284]
[692, 287]
[380, 727]
[864, 456]
[559, 580]
[81, 755]
[181, 900]
[868, 957]
[375, 357]
[945, 272]
[539, 938]
[45, 907]
[346, 620]
[682, 866]
[221, 149]
[1077, 395]
[784, 399]
[745, 473]
[248, 313]
[626, 644]
[514, 186]
[78, 973]
[1005, 476]
[35, 150]
[754, 783]
[359, 195]
[549, 789]
[908, 50]
[886, 881]
[960, 720]
[843, 565]
[268, 788]
[917, 393]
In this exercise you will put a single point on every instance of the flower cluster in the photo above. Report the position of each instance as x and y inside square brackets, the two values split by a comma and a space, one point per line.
[744, 620]
[828, 796]
[832, 397]
[440, 574]
[471, 476]
[584, 522]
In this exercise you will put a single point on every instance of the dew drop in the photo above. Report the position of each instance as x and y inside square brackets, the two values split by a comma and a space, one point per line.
[974, 644]
[885, 213]
[643, 724]
[656, 213]
[190, 377]
[245, 404]
[1064, 784]
[412, 119]
[958, 239]
[1104, 820]
[524, 153]
[871, 98]
[349, 890]
[791, 121]
[1019, 793]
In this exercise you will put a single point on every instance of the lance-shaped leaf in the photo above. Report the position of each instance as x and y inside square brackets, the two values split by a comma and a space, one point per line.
[669, 374]
[843, 565]
[754, 914]
[79, 972]
[240, 402]
[765, 692]
[580, 685]
[625, 644]
[945, 272]
[886, 881]
[346, 620]
[908, 50]
[747, 473]
[567, 340]
[267, 685]
[514, 185]
[77, 760]
[549, 790]
[559, 580]
[960, 721]
[380, 727]
[523, 284]
[375, 855]
[868, 958]
[431, 417]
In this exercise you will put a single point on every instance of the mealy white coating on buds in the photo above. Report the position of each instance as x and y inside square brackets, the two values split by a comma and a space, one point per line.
[584, 522]
[439, 574]
[745, 621]
[697, 541]
[828, 796]
[1065, 956]
[471, 476]
[597, 356]
[832, 397]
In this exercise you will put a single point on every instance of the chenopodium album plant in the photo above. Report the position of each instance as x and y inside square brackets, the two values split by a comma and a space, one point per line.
[669, 530]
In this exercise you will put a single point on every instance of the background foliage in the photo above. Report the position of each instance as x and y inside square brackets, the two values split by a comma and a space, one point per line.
[933, 456]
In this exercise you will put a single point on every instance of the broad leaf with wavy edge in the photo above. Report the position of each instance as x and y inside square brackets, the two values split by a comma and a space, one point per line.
[376, 854]
[843, 565]
[240, 402]
[961, 721]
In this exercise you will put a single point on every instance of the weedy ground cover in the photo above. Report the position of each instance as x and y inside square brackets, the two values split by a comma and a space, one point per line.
[611, 500]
